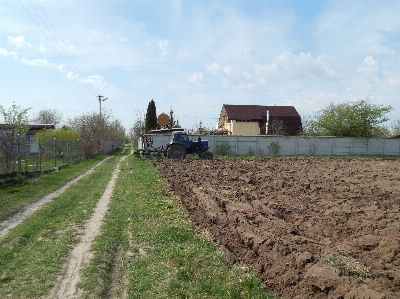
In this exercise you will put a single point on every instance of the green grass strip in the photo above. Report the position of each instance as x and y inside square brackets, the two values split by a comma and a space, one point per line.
[33, 254]
[13, 199]
[149, 249]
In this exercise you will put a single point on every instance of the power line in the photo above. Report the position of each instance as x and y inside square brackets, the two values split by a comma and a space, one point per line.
[37, 25]
[73, 67]
[64, 43]
[123, 104]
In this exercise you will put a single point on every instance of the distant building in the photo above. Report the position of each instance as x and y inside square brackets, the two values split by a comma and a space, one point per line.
[30, 145]
[256, 120]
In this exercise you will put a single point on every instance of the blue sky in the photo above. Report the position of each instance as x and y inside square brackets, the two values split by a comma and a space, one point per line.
[195, 56]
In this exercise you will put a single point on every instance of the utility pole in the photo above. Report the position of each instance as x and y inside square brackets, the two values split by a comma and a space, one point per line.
[101, 100]
[100, 141]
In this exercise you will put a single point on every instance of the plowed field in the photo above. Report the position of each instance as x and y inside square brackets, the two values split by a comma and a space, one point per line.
[310, 227]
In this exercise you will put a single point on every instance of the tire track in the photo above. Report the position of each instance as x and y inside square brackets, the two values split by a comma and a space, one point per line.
[10, 223]
[66, 288]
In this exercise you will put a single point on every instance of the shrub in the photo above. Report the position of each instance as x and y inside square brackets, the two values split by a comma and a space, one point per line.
[223, 148]
[274, 149]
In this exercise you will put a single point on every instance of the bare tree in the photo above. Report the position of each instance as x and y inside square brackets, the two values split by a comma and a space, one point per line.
[395, 128]
[93, 128]
[137, 129]
[48, 116]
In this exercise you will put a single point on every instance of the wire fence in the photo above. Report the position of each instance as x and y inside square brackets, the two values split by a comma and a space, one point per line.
[25, 157]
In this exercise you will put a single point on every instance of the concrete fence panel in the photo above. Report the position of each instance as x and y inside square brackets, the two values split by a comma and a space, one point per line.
[290, 146]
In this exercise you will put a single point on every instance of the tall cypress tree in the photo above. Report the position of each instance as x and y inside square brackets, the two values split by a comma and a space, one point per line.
[151, 117]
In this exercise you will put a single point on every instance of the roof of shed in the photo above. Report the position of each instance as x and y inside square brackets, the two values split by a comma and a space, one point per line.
[257, 112]
[33, 128]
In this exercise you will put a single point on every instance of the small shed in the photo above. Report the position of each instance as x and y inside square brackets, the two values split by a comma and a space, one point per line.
[30, 144]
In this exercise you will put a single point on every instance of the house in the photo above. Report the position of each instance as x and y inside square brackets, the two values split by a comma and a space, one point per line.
[255, 120]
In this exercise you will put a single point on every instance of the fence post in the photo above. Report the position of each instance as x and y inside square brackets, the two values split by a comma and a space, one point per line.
[62, 152]
[40, 156]
[237, 145]
[67, 151]
[72, 151]
[18, 155]
[55, 154]
[71, 157]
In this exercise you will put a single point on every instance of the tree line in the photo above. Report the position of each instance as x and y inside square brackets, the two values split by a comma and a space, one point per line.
[85, 126]
[90, 127]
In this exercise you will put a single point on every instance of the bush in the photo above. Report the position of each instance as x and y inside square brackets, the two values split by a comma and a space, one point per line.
[223, 148]
[274, 149]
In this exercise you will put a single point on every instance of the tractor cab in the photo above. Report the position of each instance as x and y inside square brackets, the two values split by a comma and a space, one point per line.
[179, 137]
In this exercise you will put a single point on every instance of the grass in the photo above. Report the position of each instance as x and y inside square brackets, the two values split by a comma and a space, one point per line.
[13, 199]
[33, 253]
[149, 249]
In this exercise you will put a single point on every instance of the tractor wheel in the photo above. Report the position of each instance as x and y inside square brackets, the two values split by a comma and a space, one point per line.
[207, 155]
[176, 151]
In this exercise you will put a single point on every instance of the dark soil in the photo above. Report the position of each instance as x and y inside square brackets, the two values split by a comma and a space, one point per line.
[310, 227]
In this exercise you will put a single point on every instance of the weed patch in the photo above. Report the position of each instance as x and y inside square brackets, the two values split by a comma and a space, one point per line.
[348, 266]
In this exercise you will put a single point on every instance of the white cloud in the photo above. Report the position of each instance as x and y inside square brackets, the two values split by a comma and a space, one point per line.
[302, 66]
[369, 73]
[232, 76]
[42, 63]
[394, 82]
[100, 83]
[5, 53]
[66, 45]
[42, 48]
[369, 60]
[164, 47]
[73, 77]
[123, 40]
[377, 49]
[96, 81]
[19, 41]
[198, 78]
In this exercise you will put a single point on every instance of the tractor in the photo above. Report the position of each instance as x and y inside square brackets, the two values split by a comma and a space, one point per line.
[180, 145]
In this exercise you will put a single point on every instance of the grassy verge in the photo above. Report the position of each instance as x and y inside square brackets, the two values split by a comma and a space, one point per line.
[13, 199]
[148, 248]
[33, 253]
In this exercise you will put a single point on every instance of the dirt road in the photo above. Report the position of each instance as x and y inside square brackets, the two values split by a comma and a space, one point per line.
[66, 287]
[310, 227]
[10, 223]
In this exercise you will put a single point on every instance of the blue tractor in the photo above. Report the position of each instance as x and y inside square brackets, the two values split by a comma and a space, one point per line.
[180, 145]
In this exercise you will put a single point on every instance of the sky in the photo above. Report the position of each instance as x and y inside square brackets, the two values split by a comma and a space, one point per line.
[194, 56]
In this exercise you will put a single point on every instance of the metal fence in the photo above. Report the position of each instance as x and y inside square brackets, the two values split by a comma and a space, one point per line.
[28, 157]
[288, 145]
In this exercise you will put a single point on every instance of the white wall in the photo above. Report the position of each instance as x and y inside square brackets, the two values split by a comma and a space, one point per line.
[108, 146]
[296, 145]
